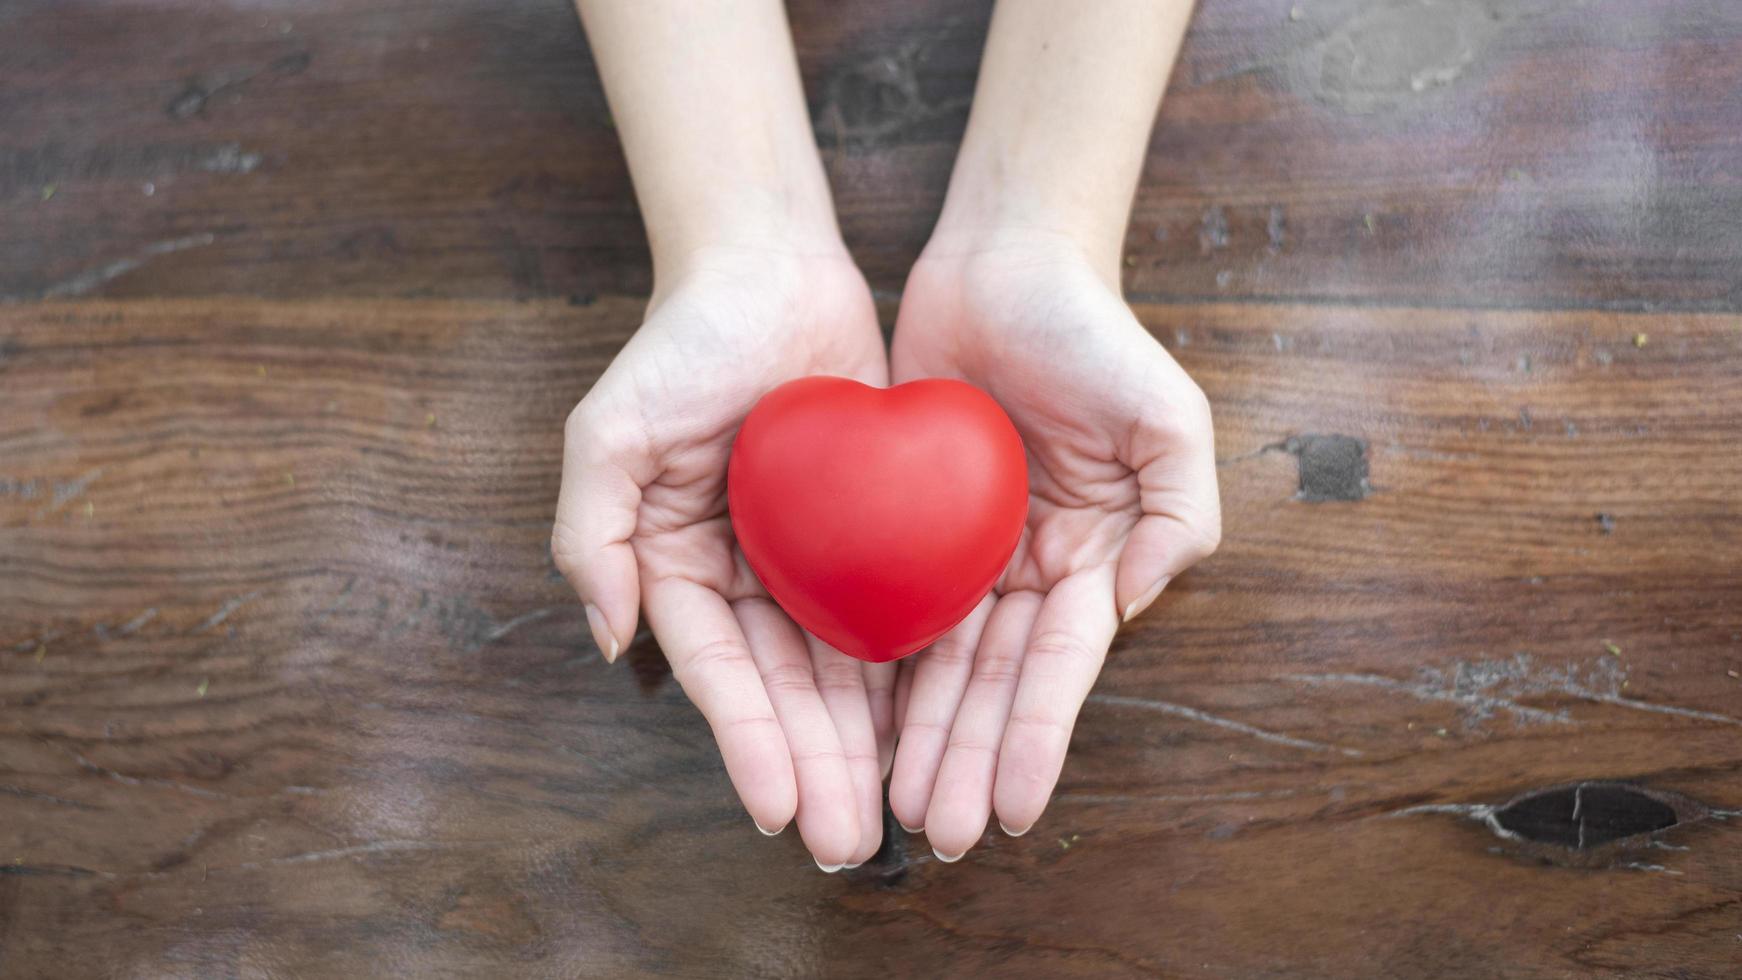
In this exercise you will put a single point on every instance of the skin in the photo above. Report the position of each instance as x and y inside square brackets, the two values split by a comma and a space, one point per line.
[1017, 292]
[752, 288]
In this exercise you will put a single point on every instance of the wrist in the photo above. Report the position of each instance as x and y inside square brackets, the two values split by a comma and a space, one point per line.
[985, 215]
[968, 240]
[775, 268]
[750, 229]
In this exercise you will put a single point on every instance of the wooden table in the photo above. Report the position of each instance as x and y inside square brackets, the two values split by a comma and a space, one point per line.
[298, 295]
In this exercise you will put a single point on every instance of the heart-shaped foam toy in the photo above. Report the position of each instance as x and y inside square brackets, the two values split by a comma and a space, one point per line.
[877, 517]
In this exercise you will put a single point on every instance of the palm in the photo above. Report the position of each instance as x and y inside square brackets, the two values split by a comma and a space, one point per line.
[689, 377]
[642, 521]
[1118, 454]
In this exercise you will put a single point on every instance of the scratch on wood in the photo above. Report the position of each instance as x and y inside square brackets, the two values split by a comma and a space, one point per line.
[224, 612]
[193, 99]
[126, 780]
[1273, 447]
[1193, 714]
[1485, 686]
[23, 489]
[71, 490]
[504, 629]
[133, 625]
[375, 847]
[88, 281]
[43, 870]
[26, 794]
[1483, 813]
[25, 646]
[1231, 797]
[1480, 706]
[128, 628]
[338, 600]
[378, 847]
[1662, 709]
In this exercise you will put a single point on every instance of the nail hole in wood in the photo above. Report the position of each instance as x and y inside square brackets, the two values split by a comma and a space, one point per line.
[1332, 467]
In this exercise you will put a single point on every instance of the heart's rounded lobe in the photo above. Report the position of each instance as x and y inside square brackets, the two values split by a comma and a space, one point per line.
[877, 517]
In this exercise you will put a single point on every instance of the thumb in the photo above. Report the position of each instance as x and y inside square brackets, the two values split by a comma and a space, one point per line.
[595, 517]
[1181, 522]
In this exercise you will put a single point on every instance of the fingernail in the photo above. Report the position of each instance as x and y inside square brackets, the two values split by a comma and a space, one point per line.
[1142, 602]
[765, 831]
[911, 830]
[828, 868]
[850, 867]
[1015, 833]
[602, 635]
[948, 858]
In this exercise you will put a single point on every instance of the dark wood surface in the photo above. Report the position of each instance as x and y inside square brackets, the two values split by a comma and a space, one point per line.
[1472, 152]
[288, 685]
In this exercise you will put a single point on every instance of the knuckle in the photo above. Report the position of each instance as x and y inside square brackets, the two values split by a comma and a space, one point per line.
[565, 548]
[787, 678]
[578, 427]
[818, 753]
[594, 434]
[1053, 730]
[747, 730]
[916, 728]
[1184, 419]
[950, 652]
[838, 676]
[713, 657]
[973, 744]
[1057, 644]
[1203, 535]
[1196, 404]
[998, 668]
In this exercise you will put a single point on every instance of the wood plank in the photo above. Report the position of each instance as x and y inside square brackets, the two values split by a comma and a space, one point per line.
[1544, 153]
[287, 683]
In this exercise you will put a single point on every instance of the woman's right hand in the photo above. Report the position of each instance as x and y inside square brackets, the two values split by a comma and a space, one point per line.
[641, 523]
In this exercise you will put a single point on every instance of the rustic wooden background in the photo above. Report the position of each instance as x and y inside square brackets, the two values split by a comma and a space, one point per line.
[297, 295]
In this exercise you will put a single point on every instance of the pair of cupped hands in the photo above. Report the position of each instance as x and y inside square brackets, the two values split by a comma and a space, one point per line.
[1122, 485]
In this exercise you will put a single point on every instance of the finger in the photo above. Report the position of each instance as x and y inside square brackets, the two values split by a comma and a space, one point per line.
[940, 676]
[827, 817]
[880, 696]
[961, 800]
[711, 660]
[1065, 653]
[1173, 452]
[595, 516]
[903, 691]
[841, 682]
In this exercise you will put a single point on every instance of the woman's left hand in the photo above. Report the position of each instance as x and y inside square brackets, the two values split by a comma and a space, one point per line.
[1122, 498]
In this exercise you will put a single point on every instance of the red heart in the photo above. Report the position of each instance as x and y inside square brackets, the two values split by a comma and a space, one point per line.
[877, 517]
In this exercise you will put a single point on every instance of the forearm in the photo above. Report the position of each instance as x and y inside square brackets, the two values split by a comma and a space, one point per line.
[1061, 120]
[707, 100]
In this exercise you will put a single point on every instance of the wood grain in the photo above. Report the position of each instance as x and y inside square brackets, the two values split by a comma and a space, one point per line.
[289, 686]
[1536, 153]
[295, 295]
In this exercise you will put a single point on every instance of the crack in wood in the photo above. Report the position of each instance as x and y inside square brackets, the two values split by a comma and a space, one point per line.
[1204, 717]
[1592, 823]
